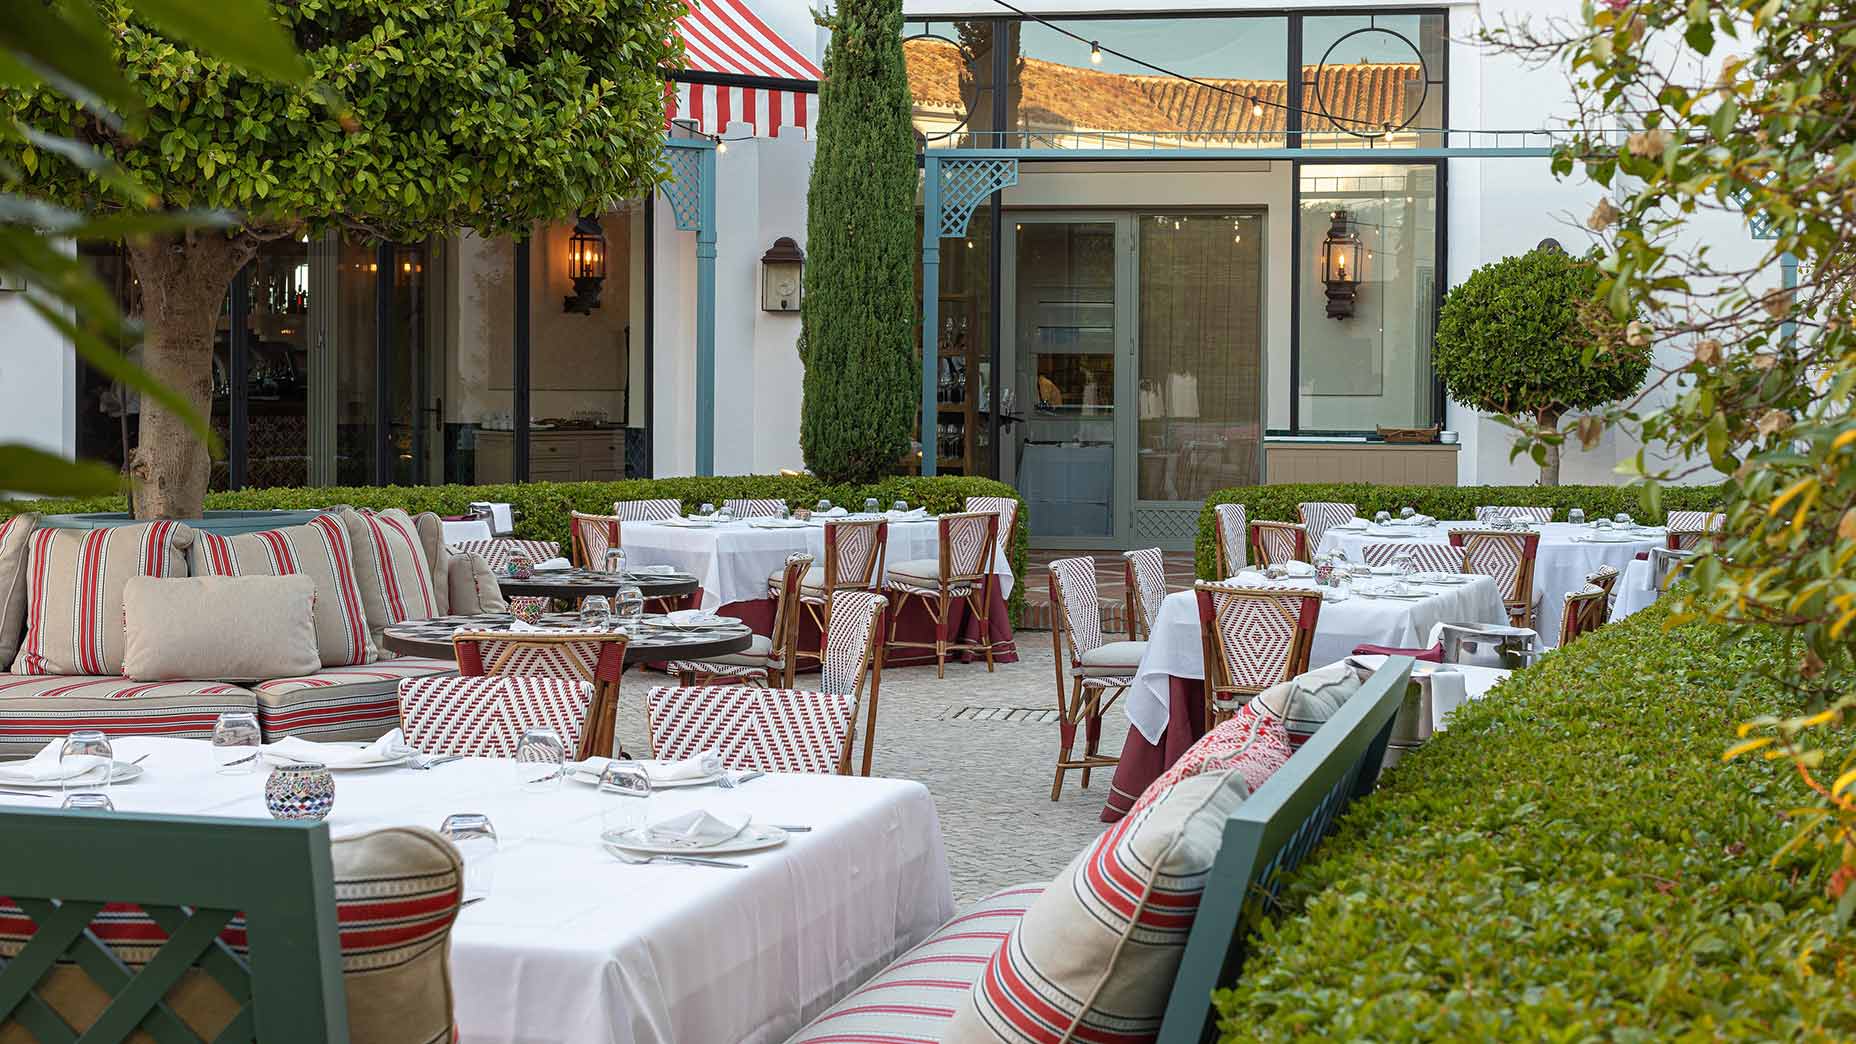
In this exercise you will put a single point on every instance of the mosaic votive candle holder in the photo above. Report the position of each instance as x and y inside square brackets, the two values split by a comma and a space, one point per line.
[302, 791]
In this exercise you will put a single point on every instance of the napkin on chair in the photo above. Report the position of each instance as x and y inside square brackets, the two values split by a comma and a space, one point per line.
[335, 755]
[1448, 692]
[696, 829]
[44, 766]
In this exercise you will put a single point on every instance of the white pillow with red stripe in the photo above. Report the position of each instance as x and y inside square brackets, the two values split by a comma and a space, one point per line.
[390, 562]
[1094, 957]
[1251, 741]
[320, 549]
[74, 585]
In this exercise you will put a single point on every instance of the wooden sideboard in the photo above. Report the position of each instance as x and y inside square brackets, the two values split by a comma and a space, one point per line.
[569, 455]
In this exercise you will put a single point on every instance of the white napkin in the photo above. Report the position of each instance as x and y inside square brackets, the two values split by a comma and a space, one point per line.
[502, 516]
[1295, 568]
[553, 565]
[911, 515]
[1448, 691]
[651, 570]
[836, 512]
[1352, 525]
[1251, 578]
[44, 766]
[1421, 520]
[523, 625]
[697, 829]
[334, 755]
[700, 765]
[689, 617]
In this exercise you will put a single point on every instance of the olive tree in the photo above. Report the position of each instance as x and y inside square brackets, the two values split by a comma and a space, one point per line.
[488, 116]
[1513, 339]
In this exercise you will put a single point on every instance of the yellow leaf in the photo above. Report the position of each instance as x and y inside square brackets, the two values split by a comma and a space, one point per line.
[1778, 504]
[1843, 440]
[1843, 781]
[1742, 748]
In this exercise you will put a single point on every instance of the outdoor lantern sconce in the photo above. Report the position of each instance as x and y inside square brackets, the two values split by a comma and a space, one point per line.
[1340, 265]
[586, 264]
[782, 275]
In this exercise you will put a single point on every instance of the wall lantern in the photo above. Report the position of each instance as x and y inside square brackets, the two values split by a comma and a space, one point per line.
[1340, 265]
[586, 264]
[782, 276]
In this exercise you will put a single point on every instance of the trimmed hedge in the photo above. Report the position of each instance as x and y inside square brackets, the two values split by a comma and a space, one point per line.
[545, 505]
[1570, 861]
[1278, 503]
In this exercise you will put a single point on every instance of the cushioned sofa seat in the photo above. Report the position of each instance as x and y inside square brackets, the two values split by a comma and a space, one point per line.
[340, 703]
[37, 709]
[913, 998]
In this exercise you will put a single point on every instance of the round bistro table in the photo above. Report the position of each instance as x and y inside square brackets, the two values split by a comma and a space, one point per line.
[432, 638]
[575, 584]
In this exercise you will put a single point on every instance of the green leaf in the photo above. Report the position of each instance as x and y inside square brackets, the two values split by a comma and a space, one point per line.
[31, 471]
[62, 43]
[241, 32]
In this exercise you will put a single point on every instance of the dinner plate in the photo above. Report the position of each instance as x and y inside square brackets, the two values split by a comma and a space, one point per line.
[352, 766]
[1594, 538]
[120, 772]
[1448, 579]
[591, 779]
[752, 838]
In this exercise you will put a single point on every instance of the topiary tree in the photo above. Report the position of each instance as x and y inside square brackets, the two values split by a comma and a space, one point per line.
[858, 316]
[487, 116]
[1514, 339]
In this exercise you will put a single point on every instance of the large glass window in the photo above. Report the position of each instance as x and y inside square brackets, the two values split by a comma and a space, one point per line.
[1365, 344]
[276, 365]
[1373, 80]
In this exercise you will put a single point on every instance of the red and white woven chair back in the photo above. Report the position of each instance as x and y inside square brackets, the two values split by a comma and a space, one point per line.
[1007, 510]
[774, 730]
[485, 717]
[1231, 528]
[854, 554]
[1318, 515]
[1504, 556]
[1260, 636]
[593, 536]
[1605, 578]
[851, 645]
[1279, 542]
[1430, 558]
[647, 510]
[1585, 611]
[498, 551]
[741, 508]
[786, 603]
[1687, 529]
[1073, 591]
[1491, 512]
[1147, 579]
[583, 655]
[967, 540]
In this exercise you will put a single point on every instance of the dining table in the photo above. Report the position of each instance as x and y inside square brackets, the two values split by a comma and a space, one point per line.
[573, 584]
[570, 944]
[1567, 553]
[654, 639]
[1165, 703]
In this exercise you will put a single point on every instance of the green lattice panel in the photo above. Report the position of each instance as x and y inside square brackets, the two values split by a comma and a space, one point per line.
[965, 184]
[684, 189]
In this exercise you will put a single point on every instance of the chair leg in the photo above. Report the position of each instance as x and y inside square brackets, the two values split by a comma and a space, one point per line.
[983, 614]
[1068, 714]
[1092, 734]
[940, 637]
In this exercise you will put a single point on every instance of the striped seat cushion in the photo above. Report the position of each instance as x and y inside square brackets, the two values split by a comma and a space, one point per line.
[36, 710]
[397, 893]
[913, 999]
[340, 703]
[1094, 957]
[74, 584]
[319, 548]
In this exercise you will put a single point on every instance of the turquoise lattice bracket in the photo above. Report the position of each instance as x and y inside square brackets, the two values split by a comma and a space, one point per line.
[965, 184]
[691, 195]
[684, 190]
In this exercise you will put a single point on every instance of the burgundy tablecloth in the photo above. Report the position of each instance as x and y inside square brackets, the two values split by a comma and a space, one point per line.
[915, 626]
[1142, 762]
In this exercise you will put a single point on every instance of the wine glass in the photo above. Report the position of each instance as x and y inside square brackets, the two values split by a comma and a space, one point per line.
[630, 607]
[595, 613]
[615, 561]
[900, 507]
[1622, 518]
[89, 802]
[706, 510]
[625, 799]
[235, 743]
[90, 749]
[725, 513]
[1576, 516]
[541, 760]
[1406, 565]
[870, 505]
[1407, 511]
[472, 834]
[1382, 517]
[823, 506]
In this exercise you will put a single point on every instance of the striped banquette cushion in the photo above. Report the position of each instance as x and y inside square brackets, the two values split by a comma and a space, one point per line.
[396, 580]
[74, 585]
[319, 548]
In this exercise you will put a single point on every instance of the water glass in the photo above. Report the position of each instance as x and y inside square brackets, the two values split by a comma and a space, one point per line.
[89, 802]
[899, 507]
[1406, 565]
[823, 506]
[595, 613]
[625, 799]
[706, 510]
[472, 834]
[630, 607]
[541, 760]
[1622, 518]
[615, 561]
[870, 506]
[87, 744]
[235, 743]
[1382, 517]
[1407, 511]
[725, 513]
[1576, 516]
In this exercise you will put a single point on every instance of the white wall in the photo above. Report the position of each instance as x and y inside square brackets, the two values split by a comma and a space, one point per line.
[38, 380]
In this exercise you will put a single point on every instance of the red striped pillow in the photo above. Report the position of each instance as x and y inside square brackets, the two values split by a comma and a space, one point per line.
[318, 548]
[1093, 959]
[1251, 741]
[396, 580]
[74, 584]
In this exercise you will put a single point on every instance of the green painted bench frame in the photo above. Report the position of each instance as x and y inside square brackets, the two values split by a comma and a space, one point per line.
[192, 875]
[1270, 834]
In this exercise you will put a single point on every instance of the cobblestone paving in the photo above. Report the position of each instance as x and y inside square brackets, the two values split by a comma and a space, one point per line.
[990, 777]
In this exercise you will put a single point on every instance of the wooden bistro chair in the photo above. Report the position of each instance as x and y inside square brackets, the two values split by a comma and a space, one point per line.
[1007, 510]
[1687, 529]
[1230, 530]
[1584, 611]
[656, 510]
[1605, 578]
[1488, 513]
[1144, 580]
[1430, 558]
[785, 730]
[854, 551]
[1509, 558]
[596, 658]
[1321, 515]
[592, 536]
[1254, 638]
[766, 655]
[961, 572]
[1277, 542]
[485, 716]
[1097, 671]
[755, 508]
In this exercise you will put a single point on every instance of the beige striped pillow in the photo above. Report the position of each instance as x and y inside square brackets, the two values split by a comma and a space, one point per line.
[13, 543]
[74, 586]
[319, 548]
[389, 561]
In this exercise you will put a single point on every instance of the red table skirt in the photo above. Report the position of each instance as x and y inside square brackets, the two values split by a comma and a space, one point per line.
[1143, 762]
[915, 626]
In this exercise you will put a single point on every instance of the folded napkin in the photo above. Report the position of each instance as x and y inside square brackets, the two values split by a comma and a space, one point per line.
[1250, 578]
[335, 755]
[911, 515]
[687, 617]
[1421, 520]
[1294, 568]
[1448, 691]
[44, 767]
[553, 565]
[516, 624]
[836, 512]
[700, 765]
[1352, 525]
[651, 570]
[502, 516]
[696, 829]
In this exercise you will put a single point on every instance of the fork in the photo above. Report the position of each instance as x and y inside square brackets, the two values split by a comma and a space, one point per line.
[640, 860]
[429, 763]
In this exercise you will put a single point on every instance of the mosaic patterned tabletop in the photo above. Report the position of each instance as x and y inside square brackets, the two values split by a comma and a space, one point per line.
[578, 583]
[654, 639]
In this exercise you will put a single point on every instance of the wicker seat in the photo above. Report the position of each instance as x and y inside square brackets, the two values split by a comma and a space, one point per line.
[1144, 579]
[593, 657]
[854, 550]
[592, 536]
[1584, 611]
[1319, 516]
[1488, 513]
[1429, 558]
[961, 572]
[1509, 558]
[765, 655]
[1007, 510]
[657, 510]
[485, 717]
[1687, 529]
[741, 508]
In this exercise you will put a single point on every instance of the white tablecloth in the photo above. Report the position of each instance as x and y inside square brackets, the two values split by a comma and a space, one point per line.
[572, 945]
[466, 529]
[1636, 589]
[1565, 556]
[734, 560]
[1175, 649]
[1477, 680]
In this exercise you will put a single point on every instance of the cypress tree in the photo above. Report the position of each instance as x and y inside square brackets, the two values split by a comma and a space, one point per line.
[858, 317]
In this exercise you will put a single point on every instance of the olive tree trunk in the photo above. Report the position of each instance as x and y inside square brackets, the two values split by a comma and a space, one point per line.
[184, 278]
[1550, 466]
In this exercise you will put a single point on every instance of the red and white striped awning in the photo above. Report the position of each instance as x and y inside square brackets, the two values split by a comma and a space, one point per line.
[725, 40]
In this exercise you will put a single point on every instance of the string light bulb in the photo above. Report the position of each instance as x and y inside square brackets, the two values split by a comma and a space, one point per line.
[1256, 108]
[721, 146]
[1095, 53]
